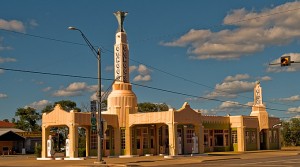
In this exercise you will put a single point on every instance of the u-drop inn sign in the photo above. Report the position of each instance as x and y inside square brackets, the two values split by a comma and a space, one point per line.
[121, 51]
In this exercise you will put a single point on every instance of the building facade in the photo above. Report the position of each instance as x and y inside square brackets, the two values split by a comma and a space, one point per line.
[173, 132]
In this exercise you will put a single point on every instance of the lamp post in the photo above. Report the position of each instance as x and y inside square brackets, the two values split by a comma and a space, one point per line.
[97, 54]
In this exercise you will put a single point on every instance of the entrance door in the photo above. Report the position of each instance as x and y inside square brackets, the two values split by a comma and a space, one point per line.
[179, 140]
[144, 141]
[263, 139]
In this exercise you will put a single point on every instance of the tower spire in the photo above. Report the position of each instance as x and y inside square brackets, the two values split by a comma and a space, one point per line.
[121, 51]
[120, 17]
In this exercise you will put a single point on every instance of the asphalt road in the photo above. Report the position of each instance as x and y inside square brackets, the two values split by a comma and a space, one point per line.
[277, 161]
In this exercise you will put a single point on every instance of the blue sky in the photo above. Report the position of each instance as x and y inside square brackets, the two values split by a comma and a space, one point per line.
[212, 49]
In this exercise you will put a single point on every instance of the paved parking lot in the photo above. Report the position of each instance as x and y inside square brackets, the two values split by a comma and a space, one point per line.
[256, 158]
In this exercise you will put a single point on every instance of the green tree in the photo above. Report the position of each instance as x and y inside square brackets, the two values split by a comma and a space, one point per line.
[5, 120]
[291, 132]
[152, 107]
[27, 119]
[67, 105]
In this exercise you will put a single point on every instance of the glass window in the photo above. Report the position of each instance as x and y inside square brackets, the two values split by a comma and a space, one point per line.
[219, 140]
[112, 138]
[152, 143]
[145, 142]
[226, 141]
[94, 140]
[234, 136]
[189, 136]
[145, 130]
[247, 137]
[270, 136]
[138, 144]
[107, 144]
[107, 132]
[122, 138]
[253, 137]
[275, 136]
[206, 140]
[218, 131]
[138, 132]
[151, 131]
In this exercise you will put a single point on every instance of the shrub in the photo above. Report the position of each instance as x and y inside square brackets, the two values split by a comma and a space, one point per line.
[81, 152]
[38, 150]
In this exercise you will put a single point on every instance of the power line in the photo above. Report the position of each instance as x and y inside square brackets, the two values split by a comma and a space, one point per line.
[162, 71]
[200, 97]
[149, 87]
[53, 74]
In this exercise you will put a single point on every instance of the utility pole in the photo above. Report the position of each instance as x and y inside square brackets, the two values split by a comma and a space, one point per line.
[97, 53]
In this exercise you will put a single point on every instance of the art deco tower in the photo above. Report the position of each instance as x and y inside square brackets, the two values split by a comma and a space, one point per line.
[258, 108]
[121, 100]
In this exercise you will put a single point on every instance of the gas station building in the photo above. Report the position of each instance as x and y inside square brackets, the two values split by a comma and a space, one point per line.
[173, 132]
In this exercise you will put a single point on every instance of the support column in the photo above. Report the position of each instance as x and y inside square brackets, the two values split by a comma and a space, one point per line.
[183, 138]
[268, 138]
[128, 141]
[73, 134]
[173, 139]
[117, 140]
[241, 138]
[257, 138]
[199, 132]
[128, 133]
[278, 138]
[157, 146]
[45, 135]
[87, 141]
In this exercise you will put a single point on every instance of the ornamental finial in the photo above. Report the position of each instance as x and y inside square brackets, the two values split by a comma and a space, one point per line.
[120, 17]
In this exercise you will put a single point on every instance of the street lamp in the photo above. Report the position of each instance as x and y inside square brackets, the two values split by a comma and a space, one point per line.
[97, 54]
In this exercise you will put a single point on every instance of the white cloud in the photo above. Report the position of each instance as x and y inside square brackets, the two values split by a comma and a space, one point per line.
[276, 64]
[236, 77]
[205, 112]
[132, 68]
[39, 105]
[264, 78]
[143, 70]
[228, 107]
[294, 110]
[47, 89]
[8, 59]
[231, 89]
[76, 86]
[33, 23]
[65, 93]
[249, 36]
[143, 73]
[13, 25]
[3, 47]
[2, 96]
[75, 89]
[291, 99]
[94, 96]
[142, 78]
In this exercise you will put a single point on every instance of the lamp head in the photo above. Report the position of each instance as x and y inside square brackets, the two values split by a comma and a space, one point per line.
[72, 28]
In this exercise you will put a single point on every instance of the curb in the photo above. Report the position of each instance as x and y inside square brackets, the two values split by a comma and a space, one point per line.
[221, 159]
